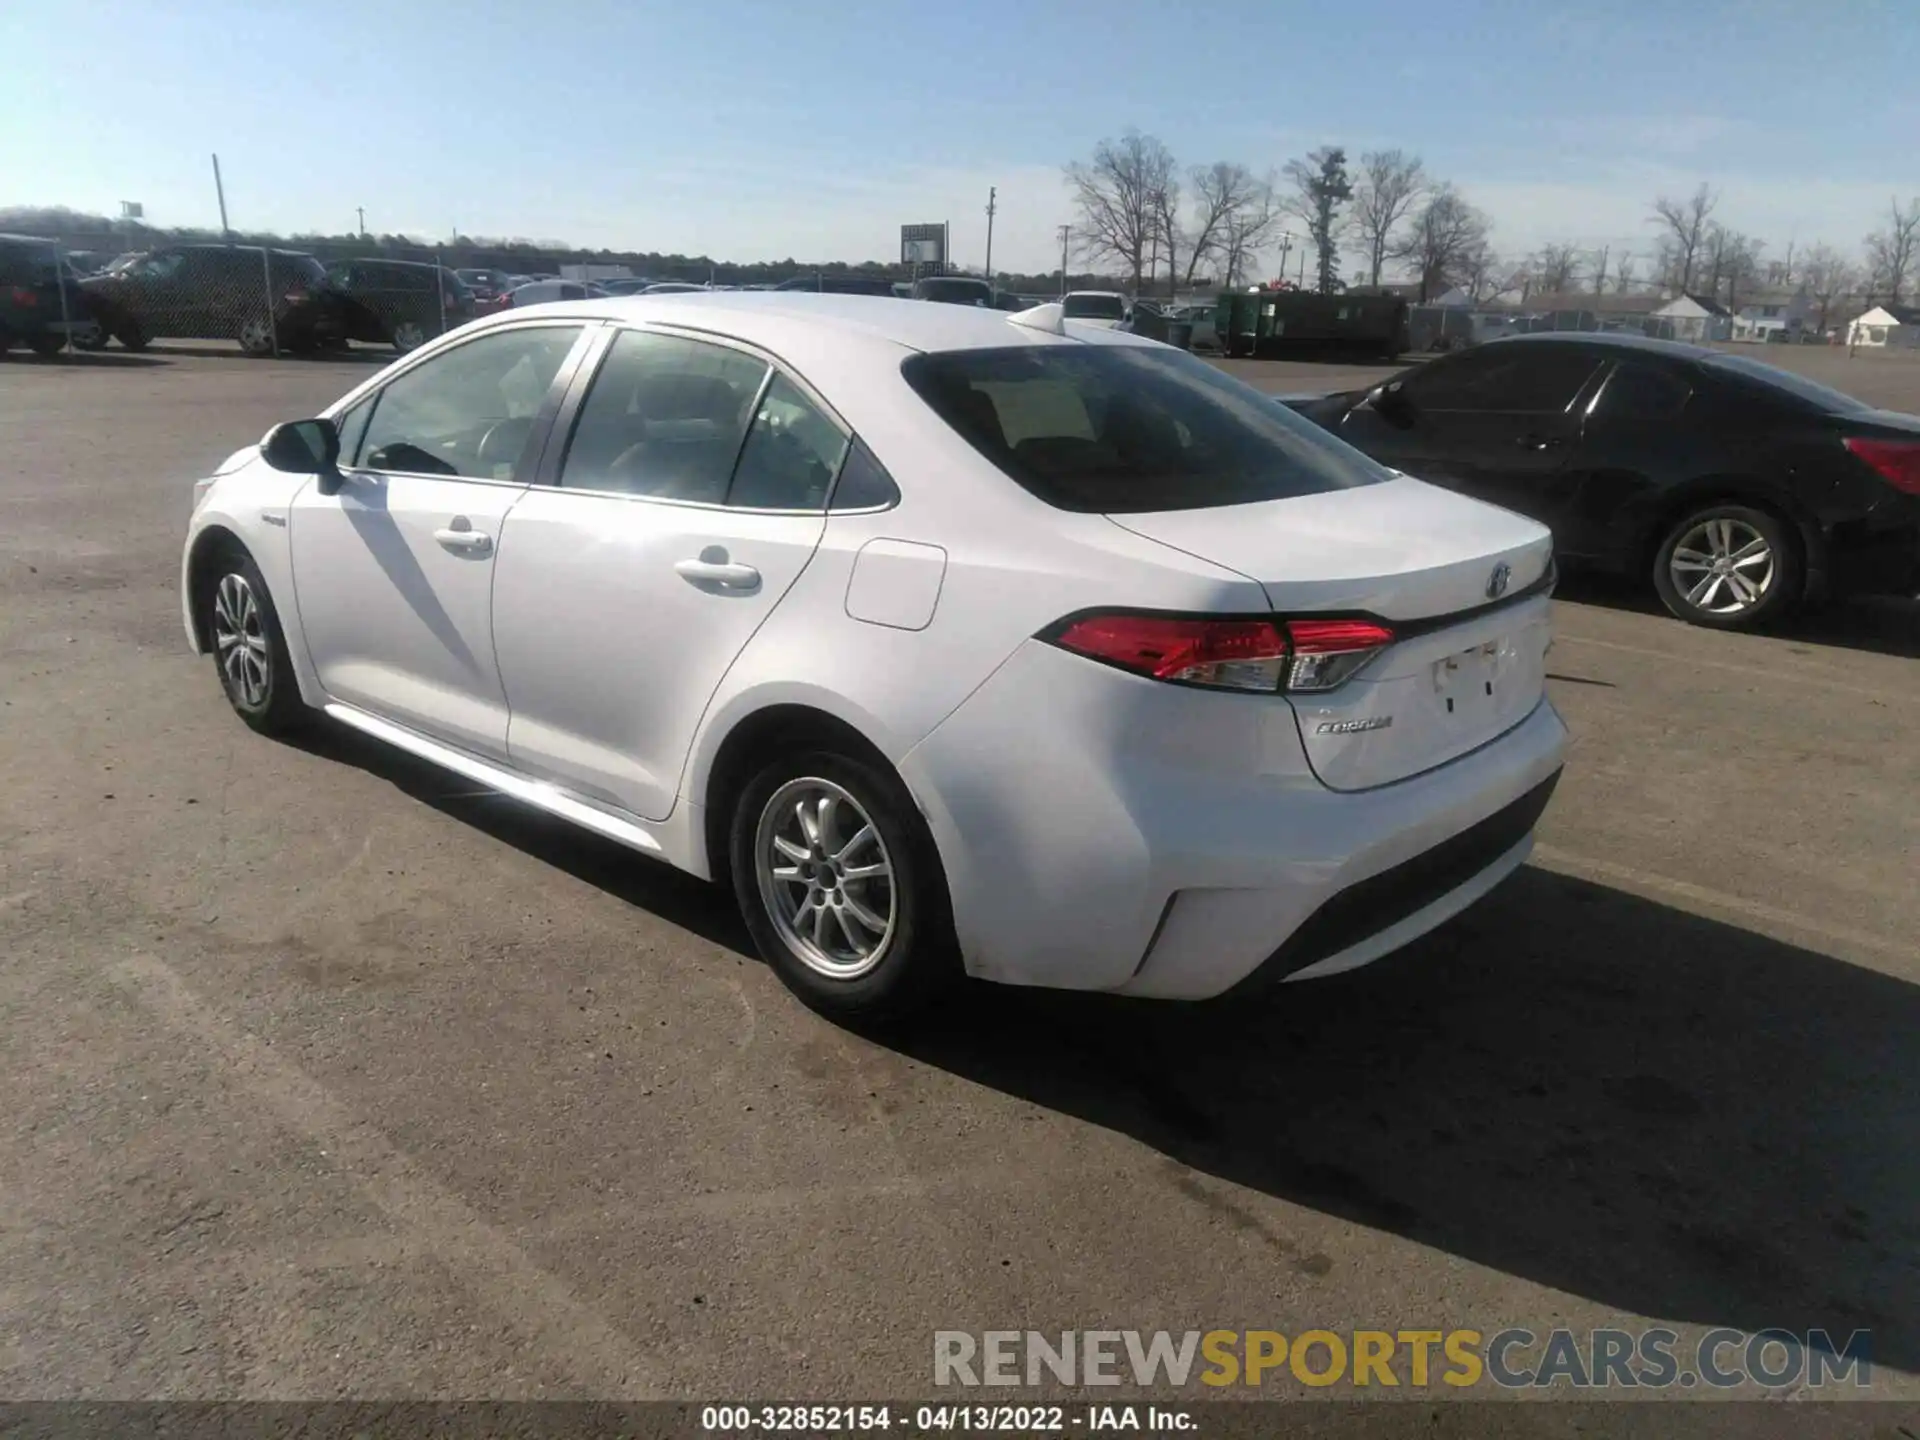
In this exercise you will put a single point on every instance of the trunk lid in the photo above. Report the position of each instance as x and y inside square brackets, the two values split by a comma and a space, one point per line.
[1469, 659]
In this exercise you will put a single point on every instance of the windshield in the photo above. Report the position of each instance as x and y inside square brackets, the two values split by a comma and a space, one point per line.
[1094, 307]
[1798, 386]
[1126, 429]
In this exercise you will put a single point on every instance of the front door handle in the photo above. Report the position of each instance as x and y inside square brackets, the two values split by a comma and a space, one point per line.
[460, 537]
[1539, 442]
[732, 575]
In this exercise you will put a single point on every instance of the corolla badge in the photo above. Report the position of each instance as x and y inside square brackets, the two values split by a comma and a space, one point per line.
[1354, 727]
[1497, 581]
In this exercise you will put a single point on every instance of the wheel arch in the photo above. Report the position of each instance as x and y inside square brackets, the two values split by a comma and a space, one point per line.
[1723, 489]
[213, 541]
[748, 742]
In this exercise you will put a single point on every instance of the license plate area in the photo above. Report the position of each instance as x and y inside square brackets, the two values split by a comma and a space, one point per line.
[1467, 683]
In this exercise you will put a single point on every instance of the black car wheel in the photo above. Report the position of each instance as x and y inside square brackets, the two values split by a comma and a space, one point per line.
[249, 648]
[409, 335]
[131, 335]
[1730, 567]
[839, 884]
[45, 342]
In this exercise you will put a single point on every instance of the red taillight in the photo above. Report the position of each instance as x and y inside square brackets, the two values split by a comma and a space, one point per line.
[1328, 653]
[1229, 652]
[24, 297]
[1897, 461]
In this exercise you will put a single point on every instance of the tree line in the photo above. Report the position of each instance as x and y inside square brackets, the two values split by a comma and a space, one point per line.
[1139, 213]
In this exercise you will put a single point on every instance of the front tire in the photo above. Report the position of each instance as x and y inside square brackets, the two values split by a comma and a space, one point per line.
[132, 336]
[45, 343]
[840, 886]
[249, 647]
[408, 336]
[1730, 567]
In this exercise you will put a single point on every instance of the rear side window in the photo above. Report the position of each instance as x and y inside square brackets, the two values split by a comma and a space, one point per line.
[792, 454]
[1642, 392]
[665, 417]
[864, 482]
[1534, 379]
[1125, 429]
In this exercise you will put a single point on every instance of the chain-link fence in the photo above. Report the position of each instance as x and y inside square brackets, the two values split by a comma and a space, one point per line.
[268, 300]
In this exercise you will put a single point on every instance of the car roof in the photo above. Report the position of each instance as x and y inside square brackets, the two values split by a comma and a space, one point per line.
[29, 240]
[1608, 339]
[772, 318]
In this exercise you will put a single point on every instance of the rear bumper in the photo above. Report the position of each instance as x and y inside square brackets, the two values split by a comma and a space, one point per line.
[1104, 832]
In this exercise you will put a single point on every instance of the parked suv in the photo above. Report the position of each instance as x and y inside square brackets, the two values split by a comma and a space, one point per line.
[402, 303]
[32, 277]
[220, 292]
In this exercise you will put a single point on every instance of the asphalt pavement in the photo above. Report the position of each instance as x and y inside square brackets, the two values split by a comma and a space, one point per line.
[328, 1076]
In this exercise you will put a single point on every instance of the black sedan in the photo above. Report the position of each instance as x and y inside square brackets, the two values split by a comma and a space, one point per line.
[1740, 490]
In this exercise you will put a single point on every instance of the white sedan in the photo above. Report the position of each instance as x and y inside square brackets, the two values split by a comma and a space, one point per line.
[955, 641]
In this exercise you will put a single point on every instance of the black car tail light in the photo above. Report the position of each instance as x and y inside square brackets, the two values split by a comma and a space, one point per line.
[1896, 461]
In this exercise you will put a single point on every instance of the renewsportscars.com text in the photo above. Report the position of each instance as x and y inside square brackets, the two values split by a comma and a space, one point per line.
[1654, 1358]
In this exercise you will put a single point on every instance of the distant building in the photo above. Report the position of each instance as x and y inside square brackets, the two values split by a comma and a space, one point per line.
[1691, 318]
[1771, 314]
[1887, 327]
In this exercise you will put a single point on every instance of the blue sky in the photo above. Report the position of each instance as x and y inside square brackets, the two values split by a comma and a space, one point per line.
[749, 129]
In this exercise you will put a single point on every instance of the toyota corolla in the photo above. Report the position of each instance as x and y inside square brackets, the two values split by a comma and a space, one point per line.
[956, 642]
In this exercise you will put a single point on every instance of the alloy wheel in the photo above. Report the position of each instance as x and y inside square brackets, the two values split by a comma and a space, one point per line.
[409, 335]
[1722, 566]
[256, 335]
[826, 878]
[240, 642]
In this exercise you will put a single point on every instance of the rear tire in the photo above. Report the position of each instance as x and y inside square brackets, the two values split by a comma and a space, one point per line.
[249, 647]
[256, 336]
[132, 336]
[408, 336]
[45, 343]
[1730, 567]
[847, 902]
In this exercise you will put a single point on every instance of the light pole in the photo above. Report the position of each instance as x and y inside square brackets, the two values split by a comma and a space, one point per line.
[1286, 249]
[992, 191]
[1065, 232]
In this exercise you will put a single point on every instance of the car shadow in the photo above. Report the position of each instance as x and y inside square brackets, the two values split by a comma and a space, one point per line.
[1588, 1090]
[650, 885]
[1591, 1091]
[86, 359]
[221, 350]
[1880, 624]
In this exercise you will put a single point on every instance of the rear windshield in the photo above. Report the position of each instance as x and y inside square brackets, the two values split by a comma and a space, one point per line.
[1819, 396]
[1094, 307]
[28, 264]
[1129, 429]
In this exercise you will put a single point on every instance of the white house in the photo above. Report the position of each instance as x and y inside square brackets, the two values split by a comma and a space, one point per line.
[1690, 318]
[1767, 315]
[1887, 327]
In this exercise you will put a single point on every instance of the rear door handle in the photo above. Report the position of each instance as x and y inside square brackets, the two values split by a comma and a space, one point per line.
[718, 572]
[461, 538]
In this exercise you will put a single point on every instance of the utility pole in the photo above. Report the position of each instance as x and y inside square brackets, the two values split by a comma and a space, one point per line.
[1600, 274]
[1286, 249]
[361, 211]
[1065, 232]
[220, 190]
[992, 191]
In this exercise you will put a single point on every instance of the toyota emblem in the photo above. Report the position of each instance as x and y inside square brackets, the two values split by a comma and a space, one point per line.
[1497, 581]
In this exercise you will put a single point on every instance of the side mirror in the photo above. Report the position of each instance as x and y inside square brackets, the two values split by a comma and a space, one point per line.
[305, 447]
[1391, 401]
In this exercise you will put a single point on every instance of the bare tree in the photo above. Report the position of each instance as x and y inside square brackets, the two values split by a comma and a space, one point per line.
[1891, 252]
[1390, 185]
[1829, 277]
[1557, 268]
[1321, 188]
[1120, 196]
[1225, 195]
[1247, 231]
[1686, 222]
[1481, 273]
[1440, 243]
[1624, 274]
[1166, 206]
[1729, 261]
